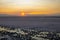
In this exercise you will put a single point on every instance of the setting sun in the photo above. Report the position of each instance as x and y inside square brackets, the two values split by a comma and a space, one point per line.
[32, 7]
[22, 14]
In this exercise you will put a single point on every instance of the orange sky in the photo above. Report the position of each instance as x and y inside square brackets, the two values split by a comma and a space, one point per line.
[29, 7]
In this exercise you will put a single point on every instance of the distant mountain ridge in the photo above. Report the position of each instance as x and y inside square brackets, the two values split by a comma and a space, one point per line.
[4, 15]
[17, 14]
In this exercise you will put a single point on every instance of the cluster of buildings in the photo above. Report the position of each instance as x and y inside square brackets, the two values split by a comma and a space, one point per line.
[22, 34]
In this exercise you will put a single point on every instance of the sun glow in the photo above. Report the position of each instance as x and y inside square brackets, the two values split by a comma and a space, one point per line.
[22, 14]
[29, 7]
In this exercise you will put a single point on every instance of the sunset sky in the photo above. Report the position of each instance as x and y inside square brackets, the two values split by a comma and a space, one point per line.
[30, 7]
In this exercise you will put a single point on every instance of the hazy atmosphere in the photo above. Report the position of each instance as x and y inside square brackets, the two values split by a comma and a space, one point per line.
[29, 7]
[29, 19]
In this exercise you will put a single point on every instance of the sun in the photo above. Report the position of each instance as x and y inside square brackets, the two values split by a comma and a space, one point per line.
[22, 14]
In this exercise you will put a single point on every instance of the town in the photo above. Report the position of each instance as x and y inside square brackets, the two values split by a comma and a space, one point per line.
[23, 34]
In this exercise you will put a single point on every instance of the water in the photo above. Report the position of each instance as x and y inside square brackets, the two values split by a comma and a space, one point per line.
[38, 23]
